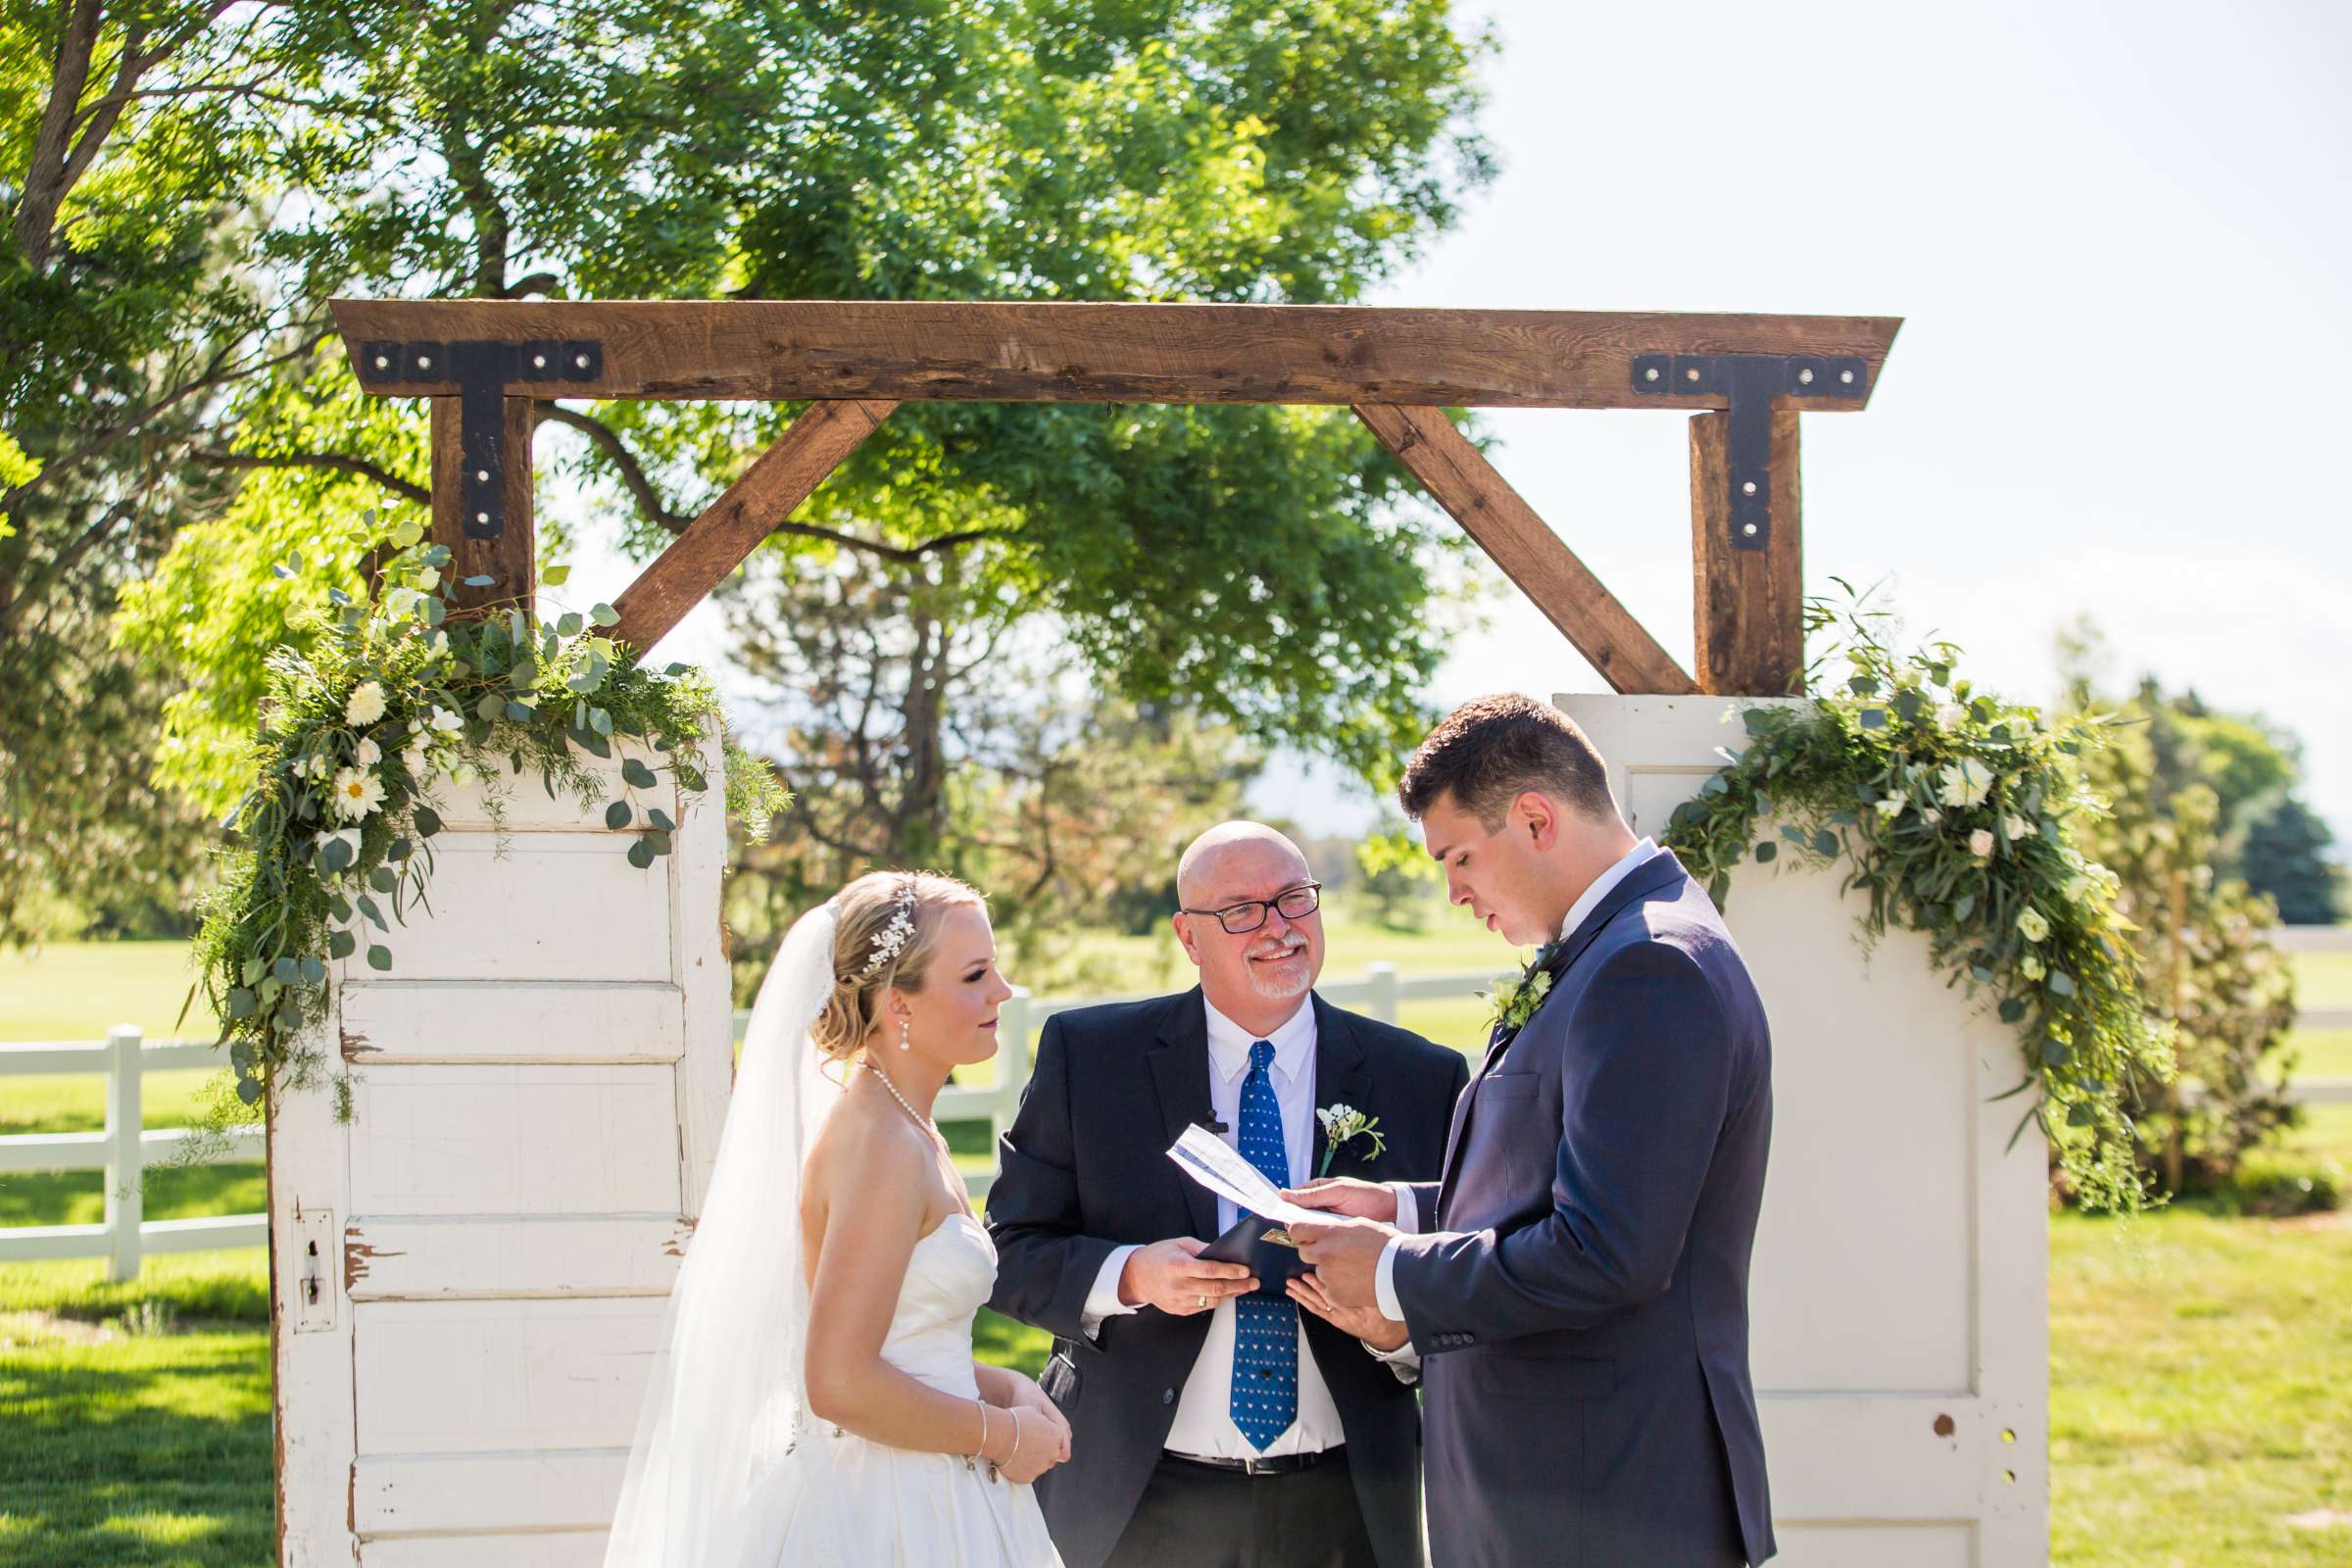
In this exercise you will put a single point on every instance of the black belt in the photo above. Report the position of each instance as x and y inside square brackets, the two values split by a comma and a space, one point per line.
[1281, 1464]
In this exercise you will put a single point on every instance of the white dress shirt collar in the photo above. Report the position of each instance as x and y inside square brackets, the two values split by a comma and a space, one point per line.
[1294, 1041]
[1589, 900]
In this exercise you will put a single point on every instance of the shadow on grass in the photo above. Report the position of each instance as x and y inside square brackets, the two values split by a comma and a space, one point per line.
[143, 1451]
[172, 1191]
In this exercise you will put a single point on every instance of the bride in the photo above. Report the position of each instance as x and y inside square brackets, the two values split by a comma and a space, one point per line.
[815, 1399]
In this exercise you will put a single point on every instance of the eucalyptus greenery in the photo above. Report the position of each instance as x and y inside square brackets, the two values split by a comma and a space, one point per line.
[383, 705]
[1958, 813]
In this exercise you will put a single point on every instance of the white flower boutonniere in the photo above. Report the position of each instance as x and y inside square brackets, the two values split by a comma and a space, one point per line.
[1341, 1123]
[1514, 1000]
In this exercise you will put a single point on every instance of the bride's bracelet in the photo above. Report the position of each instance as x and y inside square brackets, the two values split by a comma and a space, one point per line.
[983, 1404]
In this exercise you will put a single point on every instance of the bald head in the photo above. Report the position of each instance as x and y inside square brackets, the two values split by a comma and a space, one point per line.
[1229, 852]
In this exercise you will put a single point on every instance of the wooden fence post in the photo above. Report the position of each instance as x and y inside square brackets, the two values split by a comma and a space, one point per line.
[125, 1203]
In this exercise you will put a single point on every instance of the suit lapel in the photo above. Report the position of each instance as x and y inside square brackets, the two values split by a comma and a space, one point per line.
[1179, 1061]
[1660, 871]
[1341, 1079]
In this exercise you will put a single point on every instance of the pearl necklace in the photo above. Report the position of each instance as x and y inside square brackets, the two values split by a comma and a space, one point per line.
[906, 1104]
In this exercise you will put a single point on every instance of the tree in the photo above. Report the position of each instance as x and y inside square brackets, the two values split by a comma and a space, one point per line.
[1247, 563]
[2284, 853]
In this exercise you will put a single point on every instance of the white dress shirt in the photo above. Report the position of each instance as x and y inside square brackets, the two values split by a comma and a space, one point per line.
[1384, 1279]
[1203, 1424]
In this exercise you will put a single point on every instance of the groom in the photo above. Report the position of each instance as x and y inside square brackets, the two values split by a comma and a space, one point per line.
[1577, 1281]
[1214, 1421]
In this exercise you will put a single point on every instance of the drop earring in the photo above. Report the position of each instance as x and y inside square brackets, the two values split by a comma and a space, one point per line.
[905, 1034]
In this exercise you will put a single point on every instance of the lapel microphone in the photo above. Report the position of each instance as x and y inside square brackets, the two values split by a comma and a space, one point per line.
[1218, 1127]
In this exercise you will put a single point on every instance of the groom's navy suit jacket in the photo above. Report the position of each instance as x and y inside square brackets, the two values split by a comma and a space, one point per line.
[1084, 1170]
[1581, 1302]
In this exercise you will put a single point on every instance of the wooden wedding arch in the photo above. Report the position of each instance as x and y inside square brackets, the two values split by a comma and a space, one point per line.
[484, 363]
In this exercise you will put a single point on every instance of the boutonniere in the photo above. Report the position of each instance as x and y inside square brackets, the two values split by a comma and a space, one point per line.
[1514, 999]
[1342, 1124]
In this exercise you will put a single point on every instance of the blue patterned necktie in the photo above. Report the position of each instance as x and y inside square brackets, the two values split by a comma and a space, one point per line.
[1265, 1326]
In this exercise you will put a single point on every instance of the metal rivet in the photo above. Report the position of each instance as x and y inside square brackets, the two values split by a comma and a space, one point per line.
[1806, 376]
[484, 516]
[424, 362]
[483, 475]
[1847, 376]
[382, 364]
[582, 362]
[1748, 489]
[1650, 374]
[1691, 374]
[538, 361]
[1750, 529]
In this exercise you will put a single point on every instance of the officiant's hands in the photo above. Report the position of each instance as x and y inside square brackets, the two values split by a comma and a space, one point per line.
[1345, 1254]
[1365, 1322]
[1172, 1276]
[1345, 1195]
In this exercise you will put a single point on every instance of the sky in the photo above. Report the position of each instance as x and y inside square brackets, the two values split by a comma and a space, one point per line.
[2117, 236]
[2121, 241]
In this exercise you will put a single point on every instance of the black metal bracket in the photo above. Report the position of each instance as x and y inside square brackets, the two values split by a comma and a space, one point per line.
[1753, 383]
[482, 371]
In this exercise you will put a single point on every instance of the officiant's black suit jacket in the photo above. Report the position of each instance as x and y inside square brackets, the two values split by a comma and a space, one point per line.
[1084, 1170]
[1581, 1304]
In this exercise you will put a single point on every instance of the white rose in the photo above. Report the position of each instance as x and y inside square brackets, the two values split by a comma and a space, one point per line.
[1979, 843]
[2017, 827]
[2077, 888]
[370, 754]
[1890, 808]
[419, 758]
[367, 704]
[1950, 715]
[2031, 967]
[356, 794]
[2031, 925]
[1933, 815]
[446, 723]
[1964, 783]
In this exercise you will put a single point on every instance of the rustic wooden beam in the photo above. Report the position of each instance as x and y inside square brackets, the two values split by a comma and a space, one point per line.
[731, 528]
[787, 350]
[509, 559]
[1748, 605]
[1507, 528]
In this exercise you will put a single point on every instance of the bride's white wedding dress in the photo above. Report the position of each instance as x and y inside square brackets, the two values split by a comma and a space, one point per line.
[838, 1499]
[729, 1468]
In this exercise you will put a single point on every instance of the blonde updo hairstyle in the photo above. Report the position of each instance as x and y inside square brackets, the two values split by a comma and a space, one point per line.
[864, 912]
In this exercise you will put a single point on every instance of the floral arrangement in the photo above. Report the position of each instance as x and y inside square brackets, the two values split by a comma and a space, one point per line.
[1955, 811]
[387, 702]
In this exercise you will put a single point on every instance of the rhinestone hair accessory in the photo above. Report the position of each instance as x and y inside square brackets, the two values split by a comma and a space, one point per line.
[892, 938]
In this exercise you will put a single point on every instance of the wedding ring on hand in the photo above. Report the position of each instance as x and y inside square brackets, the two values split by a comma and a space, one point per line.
[1203, 1300]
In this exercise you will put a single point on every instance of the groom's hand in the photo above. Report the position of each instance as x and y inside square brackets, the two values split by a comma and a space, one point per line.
[1345, 1254]
[1345, 1195]
[1170, 1276]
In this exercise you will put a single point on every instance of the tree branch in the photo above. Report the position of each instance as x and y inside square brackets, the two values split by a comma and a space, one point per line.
[329, 461]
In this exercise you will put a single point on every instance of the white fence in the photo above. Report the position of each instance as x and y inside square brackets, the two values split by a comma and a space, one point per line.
[122, 1151]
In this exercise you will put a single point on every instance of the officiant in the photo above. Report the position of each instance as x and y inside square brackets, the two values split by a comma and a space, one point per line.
[1222, 1413]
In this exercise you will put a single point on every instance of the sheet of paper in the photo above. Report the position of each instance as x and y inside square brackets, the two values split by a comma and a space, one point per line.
[1208, 1160]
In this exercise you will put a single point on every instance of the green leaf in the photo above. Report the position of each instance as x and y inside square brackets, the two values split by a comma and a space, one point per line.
[1874, 718]
[379, 957]
[241, 1003]
[252, 971]
[659, 818]
[337, 855]
[520, 712]
[634, 770]
[248, 1091]
[600, 722]
[427, 820]
[383, 880]
[659, 841]
[2012, 1010]
[1907, 704]
[1961, 907]
[313, 970]
[341, 944]
[641, 854]
[1765, 851]
[407, 534]
[555, 577]
[676, 669]
[434, 610]
[1756, 719]
[1824, 842]
[490, 707]
[2062, 982]
[2056, 1054]
[367, 907]
[288, 1016]
[617, 816]
[1863, 685]
[568, 624]
[479, 581]
[604, 614]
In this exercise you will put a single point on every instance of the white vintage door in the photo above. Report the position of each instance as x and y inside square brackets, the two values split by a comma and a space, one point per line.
[1900, 1296]
[469, 1275]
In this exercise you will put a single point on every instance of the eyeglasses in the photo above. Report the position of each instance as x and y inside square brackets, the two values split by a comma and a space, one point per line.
[1240, 919]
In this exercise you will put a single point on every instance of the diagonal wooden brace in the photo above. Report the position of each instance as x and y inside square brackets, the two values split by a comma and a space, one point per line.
[1506, 527]
[732, 527]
